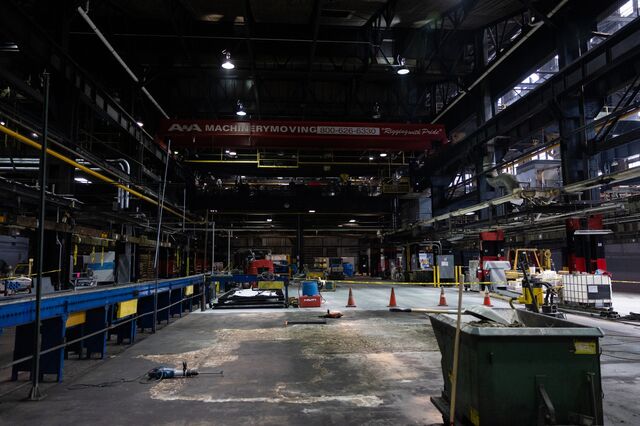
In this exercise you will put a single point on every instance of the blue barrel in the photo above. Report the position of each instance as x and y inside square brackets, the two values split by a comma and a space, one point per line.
[310, 288]
[348, 269]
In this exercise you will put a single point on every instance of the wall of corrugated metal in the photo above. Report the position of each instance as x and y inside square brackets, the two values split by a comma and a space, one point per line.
[623, 261]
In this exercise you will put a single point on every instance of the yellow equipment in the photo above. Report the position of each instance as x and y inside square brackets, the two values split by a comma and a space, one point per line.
[315, 275]
[540, 259]
[526, 298]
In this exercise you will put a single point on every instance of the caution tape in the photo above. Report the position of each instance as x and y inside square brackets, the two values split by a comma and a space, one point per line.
[436, 284]
[33, 275]
[422, 283]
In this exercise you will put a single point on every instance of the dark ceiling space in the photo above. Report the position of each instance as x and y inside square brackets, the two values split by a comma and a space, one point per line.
[294, 60]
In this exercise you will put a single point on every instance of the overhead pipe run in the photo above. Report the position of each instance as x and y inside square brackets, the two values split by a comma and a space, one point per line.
[519, 194]
[87, 170]
[120, 60]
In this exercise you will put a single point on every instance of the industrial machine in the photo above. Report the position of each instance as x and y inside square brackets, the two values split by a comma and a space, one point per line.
[84, 279]
[491, 249]
[17, 280]
[585, 241]
[260, 266]
[539, 263]
[281, 264]
[537, 295]
[335, 271]
[415, 261]
[265, 293]
[314, 273]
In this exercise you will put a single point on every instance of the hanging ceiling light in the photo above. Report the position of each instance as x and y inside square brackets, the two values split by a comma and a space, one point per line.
[377, 113]
[240, 109]
[402, 70]
[227, 64]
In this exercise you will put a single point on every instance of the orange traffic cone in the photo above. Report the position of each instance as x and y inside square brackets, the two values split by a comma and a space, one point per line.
[487, 299]
[392, 300]
[443, 299]
[351, 303]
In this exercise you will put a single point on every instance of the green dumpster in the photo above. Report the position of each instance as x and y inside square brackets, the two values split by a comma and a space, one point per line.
[539, 370]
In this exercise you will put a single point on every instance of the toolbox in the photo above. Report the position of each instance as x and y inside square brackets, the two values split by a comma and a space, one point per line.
[310, 301]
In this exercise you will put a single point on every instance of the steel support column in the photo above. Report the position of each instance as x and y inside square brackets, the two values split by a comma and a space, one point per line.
[571, 43]
[34, 393]
[300, 243]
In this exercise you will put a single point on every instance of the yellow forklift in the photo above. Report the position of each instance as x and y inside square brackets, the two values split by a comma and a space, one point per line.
[538, 259]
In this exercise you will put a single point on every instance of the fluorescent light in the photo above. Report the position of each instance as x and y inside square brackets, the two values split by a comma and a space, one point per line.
[82, 180]
[383, 154]
[227, 64]
[240, 109]
[2, 123]
[34, 135]
[592, 232]
[226, 151]
[312, 211]
[352, 221]
[232, 153]
[140, 123]
[269, 220]
[370, 158]
[403, 70]
[175, 152]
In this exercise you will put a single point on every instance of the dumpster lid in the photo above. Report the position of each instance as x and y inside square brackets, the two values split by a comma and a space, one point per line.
[520, 323]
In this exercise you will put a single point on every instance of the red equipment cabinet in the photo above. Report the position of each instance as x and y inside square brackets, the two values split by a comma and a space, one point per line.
[491, 248]
[585, 253]
[259, 266]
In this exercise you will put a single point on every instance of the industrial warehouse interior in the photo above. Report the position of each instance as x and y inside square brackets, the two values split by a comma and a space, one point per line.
[318, 212]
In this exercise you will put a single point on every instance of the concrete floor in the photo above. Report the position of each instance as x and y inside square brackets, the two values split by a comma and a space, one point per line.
[370, 367]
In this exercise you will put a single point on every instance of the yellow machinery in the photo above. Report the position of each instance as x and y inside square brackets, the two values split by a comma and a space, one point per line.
[526, 298]
[533, 289]
[315, 275]
[540, 259]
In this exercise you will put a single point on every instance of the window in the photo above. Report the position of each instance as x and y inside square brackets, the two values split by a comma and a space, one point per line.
[626, 9]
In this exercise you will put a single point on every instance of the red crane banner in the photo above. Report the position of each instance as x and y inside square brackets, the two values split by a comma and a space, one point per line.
[307, 135]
